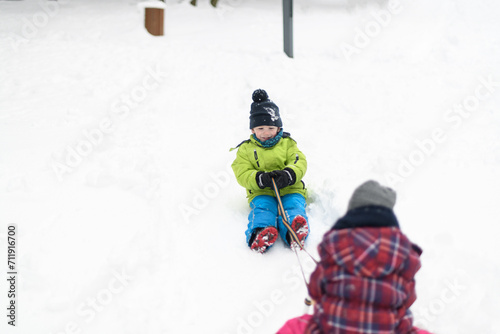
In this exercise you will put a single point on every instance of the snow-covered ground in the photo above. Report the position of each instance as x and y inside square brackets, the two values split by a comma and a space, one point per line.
[115, 162]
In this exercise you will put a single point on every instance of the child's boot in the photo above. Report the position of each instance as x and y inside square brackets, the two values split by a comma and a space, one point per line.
[301, 229]
[263, 239]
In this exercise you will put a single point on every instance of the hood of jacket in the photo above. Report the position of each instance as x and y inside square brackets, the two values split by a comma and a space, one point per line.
[367, 242]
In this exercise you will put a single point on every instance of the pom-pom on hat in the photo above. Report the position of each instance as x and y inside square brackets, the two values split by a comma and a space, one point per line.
[263, 111]
[372, 193]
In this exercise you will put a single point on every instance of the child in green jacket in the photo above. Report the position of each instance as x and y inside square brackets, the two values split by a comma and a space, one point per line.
[271, 153]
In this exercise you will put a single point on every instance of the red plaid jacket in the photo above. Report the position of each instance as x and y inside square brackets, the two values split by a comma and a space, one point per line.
[364, 282]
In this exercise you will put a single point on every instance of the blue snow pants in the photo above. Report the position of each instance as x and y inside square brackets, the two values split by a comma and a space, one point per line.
[265, 213]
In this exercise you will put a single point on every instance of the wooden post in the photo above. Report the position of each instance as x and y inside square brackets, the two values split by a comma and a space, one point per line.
[288, 27]
[154, 21]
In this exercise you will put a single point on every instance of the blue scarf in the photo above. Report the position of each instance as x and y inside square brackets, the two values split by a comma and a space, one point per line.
[270, 142]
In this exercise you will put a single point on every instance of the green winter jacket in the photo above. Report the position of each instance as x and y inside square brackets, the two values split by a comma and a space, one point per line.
[252, 158]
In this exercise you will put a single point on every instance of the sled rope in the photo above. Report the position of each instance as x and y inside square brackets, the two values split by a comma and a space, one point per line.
[307, 301]
[282, 213]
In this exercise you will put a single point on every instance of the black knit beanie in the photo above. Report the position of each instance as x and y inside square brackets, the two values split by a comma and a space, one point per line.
[263, 111]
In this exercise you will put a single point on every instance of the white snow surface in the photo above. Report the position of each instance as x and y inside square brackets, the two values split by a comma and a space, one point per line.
[115, 162]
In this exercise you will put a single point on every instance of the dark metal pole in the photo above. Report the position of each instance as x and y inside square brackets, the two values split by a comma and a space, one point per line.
[288, 27]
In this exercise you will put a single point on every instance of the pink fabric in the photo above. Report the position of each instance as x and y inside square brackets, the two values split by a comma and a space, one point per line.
[297, 325]
[423, 331]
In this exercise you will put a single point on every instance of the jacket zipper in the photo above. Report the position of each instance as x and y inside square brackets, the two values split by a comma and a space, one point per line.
[256, 157]
[296, 158]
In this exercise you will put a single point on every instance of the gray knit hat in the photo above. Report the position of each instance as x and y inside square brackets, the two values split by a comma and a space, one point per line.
[372, 193]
